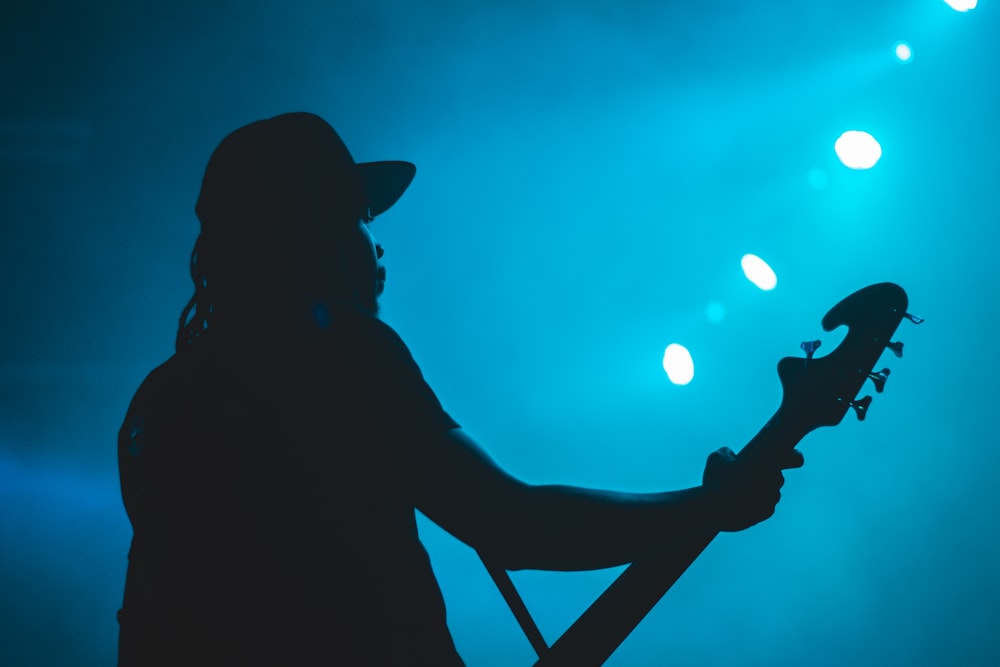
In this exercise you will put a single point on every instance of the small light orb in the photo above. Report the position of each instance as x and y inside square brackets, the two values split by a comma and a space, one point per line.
[858, 150]
[818, 178]
[715, 312]
[903, 52]
[758, 272]
[678, 364]
[962, 5]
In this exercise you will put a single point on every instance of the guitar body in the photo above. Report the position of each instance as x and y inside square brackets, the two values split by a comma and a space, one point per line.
[816, 391]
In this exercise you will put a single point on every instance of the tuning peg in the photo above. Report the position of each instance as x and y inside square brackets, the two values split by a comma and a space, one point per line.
[879, 378]
[810, 347]
[913, 318]
[861, 407]
[896, 347]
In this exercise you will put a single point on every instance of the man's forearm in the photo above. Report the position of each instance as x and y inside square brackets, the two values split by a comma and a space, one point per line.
[572, 528]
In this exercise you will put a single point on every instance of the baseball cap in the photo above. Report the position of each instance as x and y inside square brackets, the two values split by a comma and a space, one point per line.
[288, 168]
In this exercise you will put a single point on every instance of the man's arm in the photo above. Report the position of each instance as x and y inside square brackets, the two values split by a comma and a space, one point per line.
[524, 526]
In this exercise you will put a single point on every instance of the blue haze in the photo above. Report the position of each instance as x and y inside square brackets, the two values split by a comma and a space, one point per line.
[589, 175]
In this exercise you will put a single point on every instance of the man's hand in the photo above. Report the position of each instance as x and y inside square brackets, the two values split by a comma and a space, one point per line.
[742, 492]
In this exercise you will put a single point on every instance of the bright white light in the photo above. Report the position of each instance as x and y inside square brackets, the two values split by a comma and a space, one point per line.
[962, 5]
[903, 52]
[678, 364]
[858, 150]
[758, 272]
[715, 312]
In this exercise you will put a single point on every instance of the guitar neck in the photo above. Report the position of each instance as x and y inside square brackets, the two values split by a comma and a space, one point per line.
[611, 618]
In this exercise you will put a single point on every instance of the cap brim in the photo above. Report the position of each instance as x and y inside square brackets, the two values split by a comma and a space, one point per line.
[385, 183]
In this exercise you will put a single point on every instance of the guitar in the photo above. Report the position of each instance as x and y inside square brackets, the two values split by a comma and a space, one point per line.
[817, 391]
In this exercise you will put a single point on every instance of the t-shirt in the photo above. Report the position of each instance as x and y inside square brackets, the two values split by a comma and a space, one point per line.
[268, 479]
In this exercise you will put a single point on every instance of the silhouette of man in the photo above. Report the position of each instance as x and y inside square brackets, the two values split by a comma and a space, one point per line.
[272, 466]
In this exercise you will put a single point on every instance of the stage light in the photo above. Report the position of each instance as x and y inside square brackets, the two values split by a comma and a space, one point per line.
[678, 364]
[962, 5]
[903, 52]
[857, 149]
[758, 272]
[715, 312]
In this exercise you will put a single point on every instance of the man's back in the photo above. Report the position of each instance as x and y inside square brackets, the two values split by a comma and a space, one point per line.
[267, 485]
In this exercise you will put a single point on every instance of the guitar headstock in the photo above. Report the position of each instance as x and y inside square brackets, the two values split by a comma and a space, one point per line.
[818, 391]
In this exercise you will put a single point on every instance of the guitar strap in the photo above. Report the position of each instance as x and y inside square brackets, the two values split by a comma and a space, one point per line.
[516, 604]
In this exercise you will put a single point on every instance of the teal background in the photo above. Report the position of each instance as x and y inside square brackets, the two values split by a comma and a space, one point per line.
[589, 175]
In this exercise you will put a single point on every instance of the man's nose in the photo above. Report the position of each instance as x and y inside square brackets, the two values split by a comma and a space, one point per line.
[379, 250]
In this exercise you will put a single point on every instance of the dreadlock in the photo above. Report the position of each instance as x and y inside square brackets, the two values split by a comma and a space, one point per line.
[195, 315]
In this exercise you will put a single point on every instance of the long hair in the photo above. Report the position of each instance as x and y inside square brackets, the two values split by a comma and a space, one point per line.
[195, 316]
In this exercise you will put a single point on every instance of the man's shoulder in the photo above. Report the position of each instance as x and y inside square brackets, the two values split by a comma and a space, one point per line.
[350, 341]
[176, 376]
